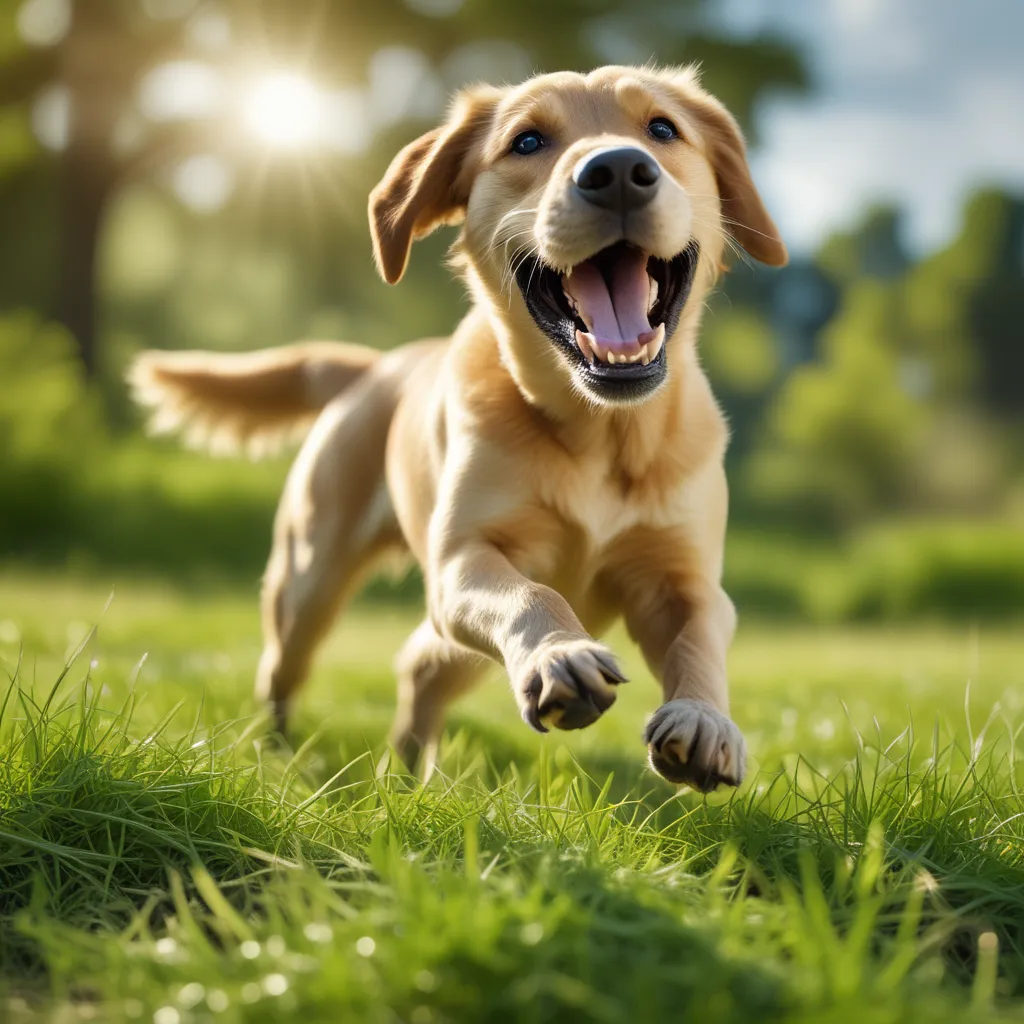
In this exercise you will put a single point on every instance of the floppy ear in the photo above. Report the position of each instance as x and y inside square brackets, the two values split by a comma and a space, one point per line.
[744, 214]
[427, 184]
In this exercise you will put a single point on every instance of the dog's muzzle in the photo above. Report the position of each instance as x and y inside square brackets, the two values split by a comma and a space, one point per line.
[617, 178]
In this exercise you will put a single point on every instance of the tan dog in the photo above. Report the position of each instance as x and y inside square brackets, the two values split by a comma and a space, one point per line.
[557, 463]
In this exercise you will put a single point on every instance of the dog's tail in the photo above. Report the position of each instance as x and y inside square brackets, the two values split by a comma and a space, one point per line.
[253, 401]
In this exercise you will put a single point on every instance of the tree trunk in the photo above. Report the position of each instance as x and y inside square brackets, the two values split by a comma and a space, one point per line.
[91, 74]
[85, 186]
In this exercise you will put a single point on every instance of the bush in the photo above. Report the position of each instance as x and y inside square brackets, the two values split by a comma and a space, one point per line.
[50, 430]
[966, 570]
[70, 491]
[898, 571]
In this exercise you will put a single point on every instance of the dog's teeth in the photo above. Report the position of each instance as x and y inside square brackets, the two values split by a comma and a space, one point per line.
[645, 357]
[652, 291]
[611, 357]
[654, 343]
[585, 344]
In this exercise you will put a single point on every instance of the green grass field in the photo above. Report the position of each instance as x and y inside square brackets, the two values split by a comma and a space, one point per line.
[162, 860]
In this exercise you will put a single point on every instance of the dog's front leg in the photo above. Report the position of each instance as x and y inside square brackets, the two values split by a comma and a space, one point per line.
[561, 677]
[691, 738]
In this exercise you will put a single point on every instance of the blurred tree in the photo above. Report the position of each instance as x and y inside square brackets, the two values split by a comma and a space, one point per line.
[906, 405]
[86, 77]
[761, 324]
[842, 428]
[873, 249]
[974, 291]
[80, 64]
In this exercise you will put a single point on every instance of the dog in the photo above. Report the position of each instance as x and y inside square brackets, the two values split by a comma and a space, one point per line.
[557, 463]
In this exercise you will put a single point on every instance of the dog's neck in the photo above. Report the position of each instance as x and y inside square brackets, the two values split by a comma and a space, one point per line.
[501, 370]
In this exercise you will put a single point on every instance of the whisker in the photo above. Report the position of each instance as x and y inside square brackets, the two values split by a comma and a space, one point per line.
[513, 267]
[516, 234]
[731, 221]
[523, 211]
[746, 227]
[506, 280]
[529, 281]
[734, 248]
[500, 238]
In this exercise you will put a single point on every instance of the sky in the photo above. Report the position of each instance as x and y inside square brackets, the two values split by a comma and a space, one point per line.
[915, 101]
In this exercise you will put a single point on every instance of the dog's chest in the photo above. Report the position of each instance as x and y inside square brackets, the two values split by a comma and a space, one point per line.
[594, 505]
[587, 513]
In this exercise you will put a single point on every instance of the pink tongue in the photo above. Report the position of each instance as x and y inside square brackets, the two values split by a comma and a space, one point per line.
[617, 316]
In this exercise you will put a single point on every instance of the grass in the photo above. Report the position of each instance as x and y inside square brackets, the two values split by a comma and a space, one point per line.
[161, 860]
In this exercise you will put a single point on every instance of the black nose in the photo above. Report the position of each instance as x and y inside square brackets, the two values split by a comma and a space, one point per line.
[619, 178]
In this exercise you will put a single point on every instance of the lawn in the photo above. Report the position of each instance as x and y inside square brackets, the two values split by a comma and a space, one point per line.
[161, 859]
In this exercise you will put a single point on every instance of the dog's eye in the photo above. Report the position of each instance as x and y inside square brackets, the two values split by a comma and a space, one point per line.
[526, 143]
[662, 129]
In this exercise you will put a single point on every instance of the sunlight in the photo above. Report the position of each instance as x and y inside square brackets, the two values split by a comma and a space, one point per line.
[284, 109]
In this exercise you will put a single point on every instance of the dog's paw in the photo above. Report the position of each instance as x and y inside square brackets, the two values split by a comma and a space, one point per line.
[568, 685]
[689, 741]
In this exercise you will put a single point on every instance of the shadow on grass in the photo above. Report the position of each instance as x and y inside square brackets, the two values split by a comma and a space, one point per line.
[952, 823]
[589, 948]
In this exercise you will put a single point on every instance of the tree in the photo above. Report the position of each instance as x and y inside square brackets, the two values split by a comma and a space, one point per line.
[88, 68]
[919, 371]
[95, 54]
[842, 428]
[984, 269]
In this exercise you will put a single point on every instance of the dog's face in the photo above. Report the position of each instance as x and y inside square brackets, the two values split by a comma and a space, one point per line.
[596, 210]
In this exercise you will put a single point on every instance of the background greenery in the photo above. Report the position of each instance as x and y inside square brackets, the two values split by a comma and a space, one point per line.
[875, 397]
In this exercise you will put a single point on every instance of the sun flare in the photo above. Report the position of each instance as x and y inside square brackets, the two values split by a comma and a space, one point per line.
[284, 109]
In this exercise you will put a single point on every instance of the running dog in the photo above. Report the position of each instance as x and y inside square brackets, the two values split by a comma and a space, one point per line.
[557, 463]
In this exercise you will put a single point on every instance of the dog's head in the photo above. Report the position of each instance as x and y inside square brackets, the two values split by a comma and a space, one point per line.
[597, 210]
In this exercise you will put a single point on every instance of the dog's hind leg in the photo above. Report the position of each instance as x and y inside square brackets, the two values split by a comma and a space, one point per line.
[333, 521]
[432, 672]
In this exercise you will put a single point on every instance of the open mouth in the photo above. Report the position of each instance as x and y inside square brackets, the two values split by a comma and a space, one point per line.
[612, 313]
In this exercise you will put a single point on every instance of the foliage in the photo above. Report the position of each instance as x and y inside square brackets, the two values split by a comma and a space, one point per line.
[926, 569]
[50, 430]
[399, 59]
[900, 407]
[863, 384]
[898, 571]
[77, 496]
[72, 491]
[845, 424]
